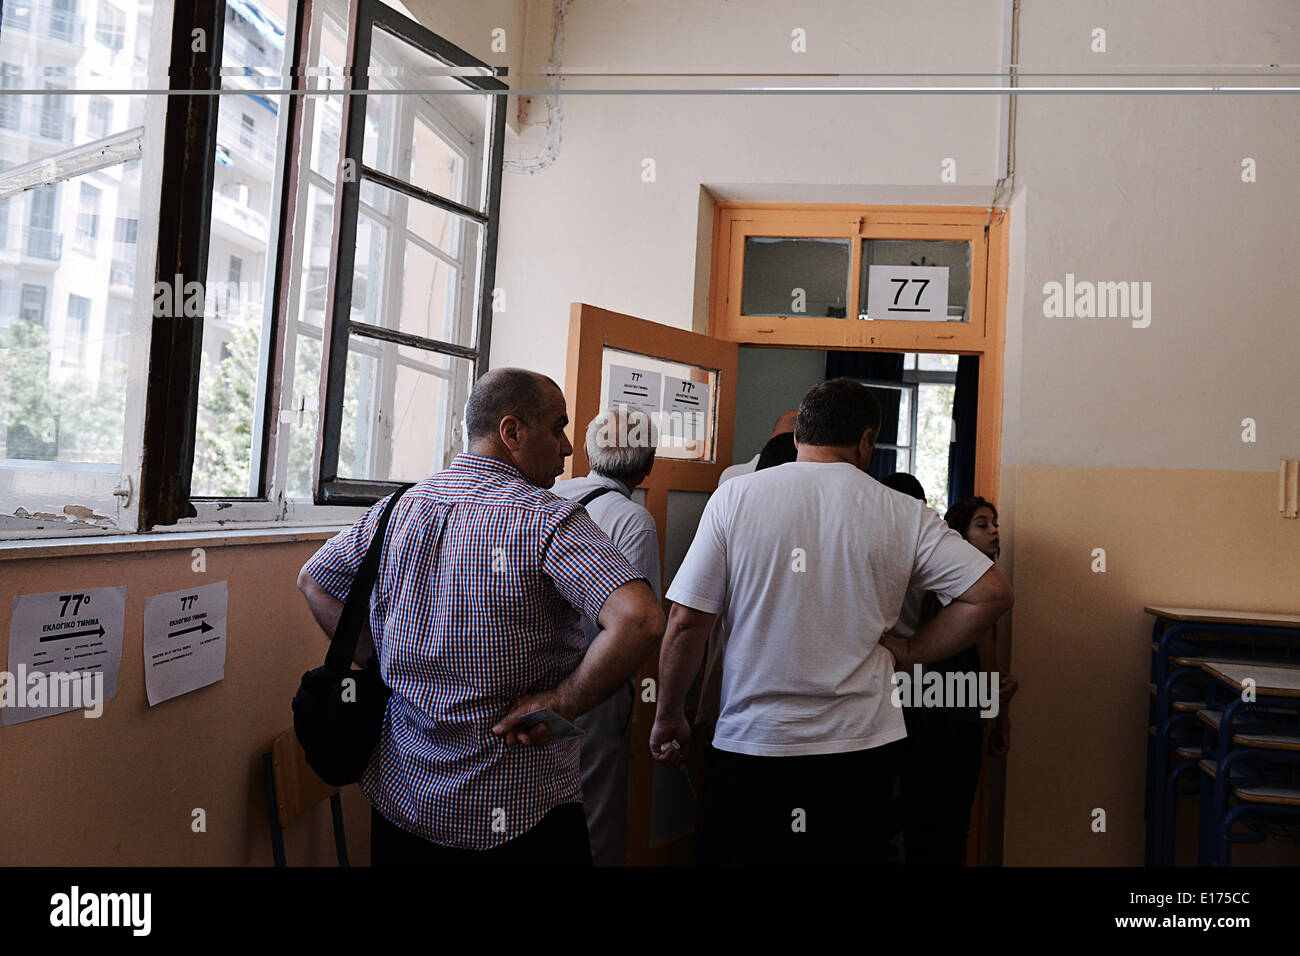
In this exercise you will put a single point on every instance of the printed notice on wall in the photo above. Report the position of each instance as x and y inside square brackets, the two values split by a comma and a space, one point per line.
[914, 293]
[686, 407]
[65, 651]
[184, 641]
[633, 387]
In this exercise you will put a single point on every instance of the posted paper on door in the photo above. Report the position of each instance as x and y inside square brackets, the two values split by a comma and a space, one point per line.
[635, 388]
[65, 651]
[686, 407]
[184, 641]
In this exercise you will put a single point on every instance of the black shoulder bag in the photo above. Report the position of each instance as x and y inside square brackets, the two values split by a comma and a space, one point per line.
[338, 712]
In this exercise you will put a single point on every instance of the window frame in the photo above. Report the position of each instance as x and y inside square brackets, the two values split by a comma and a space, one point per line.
[44, 499]
[371, 14]
[911, 389]
[177, 147]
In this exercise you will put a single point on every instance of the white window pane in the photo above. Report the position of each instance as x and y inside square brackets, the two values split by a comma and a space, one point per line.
[435, 140]
[242, 248]
[63, 309]
[401, 411]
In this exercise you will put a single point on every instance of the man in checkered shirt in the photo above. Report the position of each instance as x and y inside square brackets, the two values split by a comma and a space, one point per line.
[476, 618]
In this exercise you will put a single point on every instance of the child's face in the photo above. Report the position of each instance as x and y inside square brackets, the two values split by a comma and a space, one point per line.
[983, 532]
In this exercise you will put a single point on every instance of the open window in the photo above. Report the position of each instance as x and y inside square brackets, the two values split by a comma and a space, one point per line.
[413, 255]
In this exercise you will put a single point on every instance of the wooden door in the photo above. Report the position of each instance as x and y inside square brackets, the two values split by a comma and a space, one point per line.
[603, 347]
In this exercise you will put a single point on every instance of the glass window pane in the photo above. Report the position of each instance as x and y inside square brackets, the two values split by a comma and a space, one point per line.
[936, 362]
[245, 195]
[933, 440]
[953, 256]
[368, 271]
[63, 350]
[315, 251]
[65, 45]
[429, 291]
[402, 409]
[435, 140]
[796, 277]
[302, 428]
[327, 111]
[681, 399]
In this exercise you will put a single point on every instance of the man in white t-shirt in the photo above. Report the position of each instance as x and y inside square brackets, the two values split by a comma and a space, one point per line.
[809, 564]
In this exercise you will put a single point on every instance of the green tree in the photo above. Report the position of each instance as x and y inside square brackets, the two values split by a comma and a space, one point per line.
[302, 436]
[43, 420]
[227, 396]
[934, 431]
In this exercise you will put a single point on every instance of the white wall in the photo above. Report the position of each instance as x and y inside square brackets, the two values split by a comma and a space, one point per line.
[590, 229]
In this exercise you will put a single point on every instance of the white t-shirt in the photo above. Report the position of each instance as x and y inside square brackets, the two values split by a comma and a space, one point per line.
[809, 563]
[735, 471]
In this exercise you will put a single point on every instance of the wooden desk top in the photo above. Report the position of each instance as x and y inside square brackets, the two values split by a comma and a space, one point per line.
[1276, 680]
[1212, 616]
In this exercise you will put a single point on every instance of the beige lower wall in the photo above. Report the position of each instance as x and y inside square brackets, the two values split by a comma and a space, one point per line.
[120, 789]
[1080, 642]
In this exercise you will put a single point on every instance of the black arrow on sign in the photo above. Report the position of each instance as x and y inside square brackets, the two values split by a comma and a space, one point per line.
[98, 632]
[202, 628]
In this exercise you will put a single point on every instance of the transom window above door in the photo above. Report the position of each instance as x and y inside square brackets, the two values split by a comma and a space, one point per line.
[905, 278]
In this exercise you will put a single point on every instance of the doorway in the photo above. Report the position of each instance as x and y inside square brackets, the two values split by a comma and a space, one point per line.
[929, 402]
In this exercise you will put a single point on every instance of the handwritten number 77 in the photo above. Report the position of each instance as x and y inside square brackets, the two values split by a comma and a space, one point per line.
[902, 284]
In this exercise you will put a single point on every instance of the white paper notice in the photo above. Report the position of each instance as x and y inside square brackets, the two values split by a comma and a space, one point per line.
[65, 651]
[184, 641]
[686, 404]
[634, 387]
[915, 293]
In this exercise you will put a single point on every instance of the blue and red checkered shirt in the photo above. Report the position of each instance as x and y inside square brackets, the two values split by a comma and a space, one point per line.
[481, 585]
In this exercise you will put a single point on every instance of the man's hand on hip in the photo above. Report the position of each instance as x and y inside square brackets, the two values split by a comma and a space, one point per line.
[518, 734]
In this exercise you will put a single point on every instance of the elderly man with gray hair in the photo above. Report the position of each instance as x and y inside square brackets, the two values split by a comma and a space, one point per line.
[621, 450]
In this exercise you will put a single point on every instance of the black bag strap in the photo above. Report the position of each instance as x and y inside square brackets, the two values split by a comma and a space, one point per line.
[593, 495]
[357, 607]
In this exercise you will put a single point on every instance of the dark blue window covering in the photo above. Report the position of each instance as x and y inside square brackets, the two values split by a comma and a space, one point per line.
[961, 453]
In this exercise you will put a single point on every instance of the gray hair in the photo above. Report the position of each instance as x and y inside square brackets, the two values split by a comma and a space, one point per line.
[621, 444]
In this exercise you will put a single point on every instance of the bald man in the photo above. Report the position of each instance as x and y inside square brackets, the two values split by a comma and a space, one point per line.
[476, 618]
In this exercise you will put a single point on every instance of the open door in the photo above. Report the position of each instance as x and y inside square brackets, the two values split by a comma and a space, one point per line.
[687, 382]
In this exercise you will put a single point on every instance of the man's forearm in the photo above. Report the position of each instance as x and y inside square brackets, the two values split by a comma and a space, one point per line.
[613, 657]
[679, 661]
[327, 609]
[954, 629]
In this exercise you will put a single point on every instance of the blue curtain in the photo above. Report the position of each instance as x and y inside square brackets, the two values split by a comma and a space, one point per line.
[961, 453]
